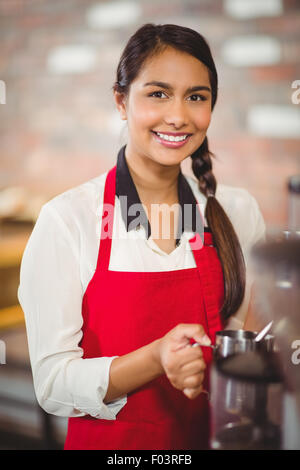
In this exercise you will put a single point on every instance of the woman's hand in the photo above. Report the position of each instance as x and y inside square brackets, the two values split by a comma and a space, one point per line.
[184, 365]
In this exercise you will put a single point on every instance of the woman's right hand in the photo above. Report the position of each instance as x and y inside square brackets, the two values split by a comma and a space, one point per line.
[184, 365]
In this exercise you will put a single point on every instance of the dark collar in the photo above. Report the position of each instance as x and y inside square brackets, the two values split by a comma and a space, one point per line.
[126, 187]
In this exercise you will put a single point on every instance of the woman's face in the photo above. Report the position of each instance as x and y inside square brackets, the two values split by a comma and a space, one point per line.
[173, 106]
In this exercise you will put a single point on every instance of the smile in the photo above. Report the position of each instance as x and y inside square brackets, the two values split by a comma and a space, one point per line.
[170, 140]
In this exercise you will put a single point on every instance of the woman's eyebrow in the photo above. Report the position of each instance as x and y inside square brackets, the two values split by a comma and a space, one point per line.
[167, 86]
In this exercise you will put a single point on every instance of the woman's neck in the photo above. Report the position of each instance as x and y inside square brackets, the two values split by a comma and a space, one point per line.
[156, 184]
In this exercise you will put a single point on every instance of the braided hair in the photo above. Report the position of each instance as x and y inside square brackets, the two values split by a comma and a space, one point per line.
[146, 42]
[225, 238]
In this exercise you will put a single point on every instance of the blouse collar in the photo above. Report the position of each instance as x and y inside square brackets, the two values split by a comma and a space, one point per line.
[126, 187]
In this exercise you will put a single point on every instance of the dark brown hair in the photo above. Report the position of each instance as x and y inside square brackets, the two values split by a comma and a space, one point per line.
[146, 42]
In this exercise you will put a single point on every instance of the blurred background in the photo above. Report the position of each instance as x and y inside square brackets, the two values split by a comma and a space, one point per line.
[59, 128]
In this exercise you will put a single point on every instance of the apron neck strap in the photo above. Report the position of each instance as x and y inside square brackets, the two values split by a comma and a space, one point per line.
[107, 220]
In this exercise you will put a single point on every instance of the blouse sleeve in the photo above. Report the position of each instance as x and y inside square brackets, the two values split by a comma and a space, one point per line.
[251, 229]
[50, 294]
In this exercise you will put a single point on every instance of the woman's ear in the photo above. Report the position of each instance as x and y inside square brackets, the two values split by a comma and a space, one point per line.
[121, 104]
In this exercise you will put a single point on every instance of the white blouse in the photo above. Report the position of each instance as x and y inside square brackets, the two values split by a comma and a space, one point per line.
[59, 261]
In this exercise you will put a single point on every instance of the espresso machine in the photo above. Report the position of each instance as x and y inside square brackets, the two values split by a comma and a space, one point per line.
[278, 298]
[246, 393]
[277, 268]
[256, 391]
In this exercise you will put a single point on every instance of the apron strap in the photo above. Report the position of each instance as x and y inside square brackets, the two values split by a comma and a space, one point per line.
[212, 282]
[107, 220]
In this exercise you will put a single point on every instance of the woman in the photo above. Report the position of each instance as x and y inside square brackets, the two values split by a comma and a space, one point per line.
[112, 305]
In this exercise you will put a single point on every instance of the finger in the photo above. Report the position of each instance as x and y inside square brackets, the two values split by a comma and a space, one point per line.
[189, 352]
[193, 367]
[194, 381]
[187, 355]
[192, 393]
[187, 331]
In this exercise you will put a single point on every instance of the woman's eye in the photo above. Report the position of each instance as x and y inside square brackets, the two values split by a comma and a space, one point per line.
[198, 97]
[202, 98]
[155, 93]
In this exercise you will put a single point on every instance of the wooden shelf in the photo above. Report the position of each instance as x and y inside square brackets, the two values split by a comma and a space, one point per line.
[12, 248]
[11, 317]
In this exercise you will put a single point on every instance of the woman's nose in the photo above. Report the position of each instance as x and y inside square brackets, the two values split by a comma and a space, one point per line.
[176, 114]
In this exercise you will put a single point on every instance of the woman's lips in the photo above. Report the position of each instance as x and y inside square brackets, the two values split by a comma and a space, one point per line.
[168, 143]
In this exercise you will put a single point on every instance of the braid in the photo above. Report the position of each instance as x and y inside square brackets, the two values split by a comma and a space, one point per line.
[202, 168]
[225, 238]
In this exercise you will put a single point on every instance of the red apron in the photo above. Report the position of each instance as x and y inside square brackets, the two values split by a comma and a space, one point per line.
[123, 311]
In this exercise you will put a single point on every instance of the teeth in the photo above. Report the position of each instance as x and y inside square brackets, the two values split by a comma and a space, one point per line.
[172, 138]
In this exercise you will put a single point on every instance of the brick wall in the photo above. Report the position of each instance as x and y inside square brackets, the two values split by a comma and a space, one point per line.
[59, 126]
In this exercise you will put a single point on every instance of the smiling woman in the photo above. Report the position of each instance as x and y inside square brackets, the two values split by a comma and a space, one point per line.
[176, 62]
[110, 316]
[163, 107]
